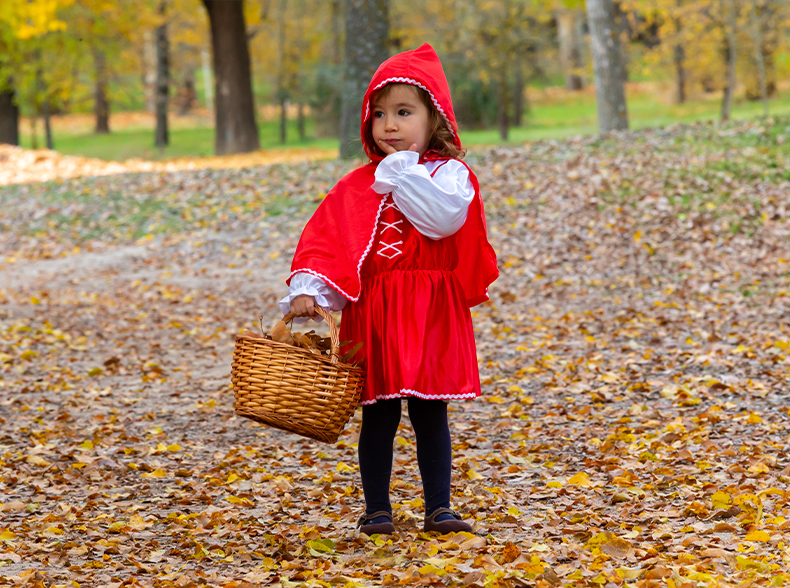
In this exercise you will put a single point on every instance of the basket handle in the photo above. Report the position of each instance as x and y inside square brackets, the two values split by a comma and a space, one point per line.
[334, 336]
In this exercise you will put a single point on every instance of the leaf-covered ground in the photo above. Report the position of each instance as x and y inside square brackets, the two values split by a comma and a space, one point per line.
[635, 357]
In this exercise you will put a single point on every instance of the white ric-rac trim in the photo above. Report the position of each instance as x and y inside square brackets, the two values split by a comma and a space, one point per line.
[413, 83]
[327, 280]
[406, 393]
[359, 265]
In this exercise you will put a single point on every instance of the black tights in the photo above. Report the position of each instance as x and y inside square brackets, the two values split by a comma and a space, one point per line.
[434, 452]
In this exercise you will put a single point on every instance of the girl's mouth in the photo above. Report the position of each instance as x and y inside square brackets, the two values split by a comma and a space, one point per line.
[391, 141]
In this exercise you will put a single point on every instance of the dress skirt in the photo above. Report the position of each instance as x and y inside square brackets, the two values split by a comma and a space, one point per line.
[412, 317]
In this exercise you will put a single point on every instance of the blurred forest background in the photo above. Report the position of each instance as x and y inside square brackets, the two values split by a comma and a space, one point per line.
[117, 80]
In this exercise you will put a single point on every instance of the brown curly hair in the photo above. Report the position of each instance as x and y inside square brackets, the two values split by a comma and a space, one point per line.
[440, 136]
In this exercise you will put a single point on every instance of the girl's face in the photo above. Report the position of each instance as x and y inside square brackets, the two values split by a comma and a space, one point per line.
[400, 120]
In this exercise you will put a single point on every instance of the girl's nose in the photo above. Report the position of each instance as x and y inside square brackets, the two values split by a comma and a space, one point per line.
[389, 124]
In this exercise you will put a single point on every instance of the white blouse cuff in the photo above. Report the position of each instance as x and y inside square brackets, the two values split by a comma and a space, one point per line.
[326, 297]
[391, 167]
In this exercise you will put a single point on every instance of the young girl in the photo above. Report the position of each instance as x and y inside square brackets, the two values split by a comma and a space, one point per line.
[400, 246]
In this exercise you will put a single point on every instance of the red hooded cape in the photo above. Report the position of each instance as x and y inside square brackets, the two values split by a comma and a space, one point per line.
[341, 233]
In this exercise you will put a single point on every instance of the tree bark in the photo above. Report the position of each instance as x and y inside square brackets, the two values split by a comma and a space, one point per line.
[679, 55]
[624, 37]
[367, 35]
[43, 100]
[570, 48]
[504, 121]
[337, 32]
[729, 89]
[301, 121]
[235, 128]
[680, 66]
[757, 41]
[282, 73]
[45, 112]
[518, 95]
[150, 63]
[34, 131]
[607, 62]
[101, 105]
[187, 96]
[162, 81]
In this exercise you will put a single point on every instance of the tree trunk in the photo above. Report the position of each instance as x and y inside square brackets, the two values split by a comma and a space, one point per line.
[679, 56]
[623, 29]
[45, 111]
[300, 120]
[162, 81]
[281, 72]
[43, 99]
[283, 118]
[34, 131]
[609, 75]
[150, 63]
[570, 49]
[518, 96]
[235, 128]
[337, 32]
[680, 66]
[504, 122]
[101, 105]
[729, 89]
[367, 35]
[757, 41]
[187, 96]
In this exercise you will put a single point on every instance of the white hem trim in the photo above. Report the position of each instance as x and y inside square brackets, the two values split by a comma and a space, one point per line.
[406, 393]
[413, 83]
[327, 280]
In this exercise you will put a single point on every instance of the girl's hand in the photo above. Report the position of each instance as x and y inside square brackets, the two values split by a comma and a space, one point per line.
[303, 305]
[389, 149]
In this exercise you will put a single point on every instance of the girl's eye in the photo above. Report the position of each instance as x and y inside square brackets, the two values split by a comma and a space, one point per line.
[378, 114]
[403, 113]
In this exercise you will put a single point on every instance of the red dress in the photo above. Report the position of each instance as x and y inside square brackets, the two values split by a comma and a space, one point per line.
[412, 316]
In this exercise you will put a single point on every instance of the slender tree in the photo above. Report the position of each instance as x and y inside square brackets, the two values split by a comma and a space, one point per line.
[43, 93]
[9, 114]
[282, 73]
[367, 45]
[162, 79]
[569, 37]
[729, 89]
[757, 40]
[101, 104]
[679, 57]
[608, 66]
[235, 127]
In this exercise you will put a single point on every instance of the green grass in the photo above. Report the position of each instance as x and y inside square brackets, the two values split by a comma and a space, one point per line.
[199, 141]
[573, 115]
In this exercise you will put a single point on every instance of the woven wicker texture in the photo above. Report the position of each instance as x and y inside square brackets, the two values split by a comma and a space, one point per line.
[294, 390]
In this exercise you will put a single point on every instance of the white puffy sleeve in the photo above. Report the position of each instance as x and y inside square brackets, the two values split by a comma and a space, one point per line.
[325, 296]
[437, 206]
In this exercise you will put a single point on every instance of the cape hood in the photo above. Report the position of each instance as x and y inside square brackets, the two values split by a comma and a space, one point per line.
[422, 68]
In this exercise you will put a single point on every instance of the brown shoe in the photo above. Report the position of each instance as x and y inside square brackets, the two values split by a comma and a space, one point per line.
[451, 526]
[375, 528]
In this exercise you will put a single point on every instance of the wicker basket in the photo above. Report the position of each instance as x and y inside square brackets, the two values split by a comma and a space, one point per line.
[293, 389]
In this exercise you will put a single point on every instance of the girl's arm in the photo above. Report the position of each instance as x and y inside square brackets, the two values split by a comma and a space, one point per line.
[304, 284]
[437, 206]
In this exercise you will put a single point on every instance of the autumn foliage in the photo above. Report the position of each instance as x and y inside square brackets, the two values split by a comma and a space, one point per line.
[635, 358]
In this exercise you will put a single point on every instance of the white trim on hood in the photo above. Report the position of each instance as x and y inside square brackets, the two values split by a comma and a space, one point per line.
[413, 83]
